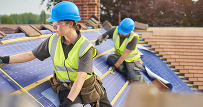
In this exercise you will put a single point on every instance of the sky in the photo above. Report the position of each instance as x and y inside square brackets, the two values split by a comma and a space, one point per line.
[8, 7]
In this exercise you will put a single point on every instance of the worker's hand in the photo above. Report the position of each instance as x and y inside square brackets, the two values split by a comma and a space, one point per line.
[98, 42]
[4, 59]
[66, 103]
[112, 69]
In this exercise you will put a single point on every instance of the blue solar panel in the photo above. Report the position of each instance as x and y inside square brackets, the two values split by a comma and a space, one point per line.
[13, 36]
[31, 71]
[94, 34]
[120, 102]
[156, 65]
[35, 70]
[36, 92]
[46, 32]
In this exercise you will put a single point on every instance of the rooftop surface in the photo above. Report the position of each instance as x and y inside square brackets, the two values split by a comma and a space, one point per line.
[174, 54]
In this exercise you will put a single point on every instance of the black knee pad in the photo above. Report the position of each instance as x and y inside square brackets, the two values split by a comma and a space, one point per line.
[111, 60]
[134, 75]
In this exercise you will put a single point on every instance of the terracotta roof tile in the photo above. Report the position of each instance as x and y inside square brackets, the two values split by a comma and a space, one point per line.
[189, 75]
[199, 79]
[182, 48]
[200, 87]
[47, 26]
[192, 79]
[107, 25]
[198, 83]
[198, 75]
[29, 30]
[141, 26]
[2, 34]
[184, 71]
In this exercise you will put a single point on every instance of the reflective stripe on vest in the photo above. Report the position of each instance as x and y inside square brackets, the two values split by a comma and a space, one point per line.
[133, 55]
[61, 71]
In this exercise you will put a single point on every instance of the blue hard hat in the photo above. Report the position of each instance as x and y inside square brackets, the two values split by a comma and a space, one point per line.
[126, 26]
[64, 11]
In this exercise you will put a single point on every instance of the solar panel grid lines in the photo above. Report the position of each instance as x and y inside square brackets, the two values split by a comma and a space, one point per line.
[181, 77]
[119, 93]
[120, 102]
[161, 69]
[39, 69]
[36, 92]
[13, 36]
[39, 97]
[29, 45]
[20, 86]
[113, 84]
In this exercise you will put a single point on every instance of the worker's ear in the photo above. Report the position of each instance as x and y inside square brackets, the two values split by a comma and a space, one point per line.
[71, 23]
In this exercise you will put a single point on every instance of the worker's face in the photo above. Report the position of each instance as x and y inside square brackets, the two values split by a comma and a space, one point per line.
[121, 35]
[60, 27]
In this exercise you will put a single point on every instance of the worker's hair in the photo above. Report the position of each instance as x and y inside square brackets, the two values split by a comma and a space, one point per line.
[75, 24]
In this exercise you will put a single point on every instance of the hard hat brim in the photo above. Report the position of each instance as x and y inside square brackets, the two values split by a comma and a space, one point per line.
[50, 20]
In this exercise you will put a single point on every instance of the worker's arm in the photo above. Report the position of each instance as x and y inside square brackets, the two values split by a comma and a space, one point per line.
[122, 58]
[75, 90]
[106, 35]
[77, 85]
[18, 58]
[22, 57]
[100, 37]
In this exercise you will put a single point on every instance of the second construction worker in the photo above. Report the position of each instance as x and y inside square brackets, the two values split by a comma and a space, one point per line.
[126, 59]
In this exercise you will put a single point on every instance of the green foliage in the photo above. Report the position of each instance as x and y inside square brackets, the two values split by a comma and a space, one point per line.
[7, 20]
[154, 12]
[185, 13]
[26, 18]
[42, 17]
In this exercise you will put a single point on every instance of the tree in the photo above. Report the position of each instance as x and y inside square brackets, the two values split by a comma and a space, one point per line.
[25, 18]
[17, 18]
[50, 3]
[198, 17]
[152, 12]
[42, 19]
[110, 10]
[7, 20]
[187, 7]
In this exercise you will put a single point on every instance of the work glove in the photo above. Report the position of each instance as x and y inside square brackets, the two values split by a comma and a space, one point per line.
[112, 69]
[4, 59]
[66, 103]
[98, 42]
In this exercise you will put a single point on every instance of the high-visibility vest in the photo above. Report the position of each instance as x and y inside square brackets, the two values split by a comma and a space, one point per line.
[121, 48]
[72, 61]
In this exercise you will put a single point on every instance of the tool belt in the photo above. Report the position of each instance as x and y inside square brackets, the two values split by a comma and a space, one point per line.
[91, 91]
[56, 84]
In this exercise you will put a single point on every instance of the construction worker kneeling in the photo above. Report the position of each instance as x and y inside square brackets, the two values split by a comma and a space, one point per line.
[126, 59]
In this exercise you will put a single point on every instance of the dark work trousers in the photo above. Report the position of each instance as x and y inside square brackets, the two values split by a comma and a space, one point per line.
[104, 102]
[129, 69]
